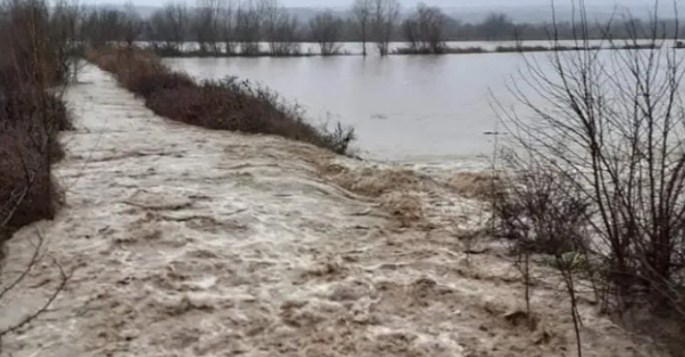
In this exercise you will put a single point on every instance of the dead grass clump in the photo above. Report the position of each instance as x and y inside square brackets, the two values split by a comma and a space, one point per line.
[405, 207]
[373, 182]
[227, 104]
[477, 185]
[394, 189]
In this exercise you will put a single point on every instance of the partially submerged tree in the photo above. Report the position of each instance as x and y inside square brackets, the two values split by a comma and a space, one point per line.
[65, 28]
[227, 11]
[325, 30]
[102, 26]
[497, 26]
[249, 27]
[385, 14]
[280, 29]
[169, 25]
[424, 29]
[361, 14]
[206, 26]
[132, 25]
[110, 26]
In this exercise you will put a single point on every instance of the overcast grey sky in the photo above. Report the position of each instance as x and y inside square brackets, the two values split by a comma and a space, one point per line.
[410, 3]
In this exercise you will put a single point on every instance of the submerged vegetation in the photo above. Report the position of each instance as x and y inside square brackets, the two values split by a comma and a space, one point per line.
[228, 104]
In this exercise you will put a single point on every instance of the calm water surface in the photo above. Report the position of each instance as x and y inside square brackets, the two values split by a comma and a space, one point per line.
[402, 107]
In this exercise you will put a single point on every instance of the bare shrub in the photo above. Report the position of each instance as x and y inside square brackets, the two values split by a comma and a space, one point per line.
[28, 146]
[34, 59]
[604, 178]
[541, 212]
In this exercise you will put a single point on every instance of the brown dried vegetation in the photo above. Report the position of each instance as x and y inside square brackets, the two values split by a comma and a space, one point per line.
[32, 63]
[227, 104]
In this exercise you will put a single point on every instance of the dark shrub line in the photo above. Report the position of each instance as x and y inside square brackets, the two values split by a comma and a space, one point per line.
[33, 60]
[441, 51]
[226, 104]
[164, 51]
[517, 49]
[445, 50]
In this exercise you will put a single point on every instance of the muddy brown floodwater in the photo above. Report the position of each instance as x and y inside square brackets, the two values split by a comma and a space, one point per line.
[182, 241]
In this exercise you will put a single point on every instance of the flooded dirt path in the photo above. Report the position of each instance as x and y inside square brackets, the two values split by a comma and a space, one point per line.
[182, 241]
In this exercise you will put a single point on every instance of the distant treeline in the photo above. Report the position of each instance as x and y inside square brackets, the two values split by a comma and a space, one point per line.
[232, 27]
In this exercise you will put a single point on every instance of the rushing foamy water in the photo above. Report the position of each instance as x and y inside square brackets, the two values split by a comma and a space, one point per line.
[182, 241]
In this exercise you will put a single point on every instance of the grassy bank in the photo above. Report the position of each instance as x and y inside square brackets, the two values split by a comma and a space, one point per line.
[227, 104]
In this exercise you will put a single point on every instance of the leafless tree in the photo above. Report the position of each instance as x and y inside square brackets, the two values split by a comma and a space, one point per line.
[226, 25]
[361, 12]
[65, 27]
[425, 29]
[271, 12]
[170, 25]
[385, 14]
[102, 26]
[496, 26]
[325, 30]
[249, 27]
[206, 26]
[280, 28]
[132, 25]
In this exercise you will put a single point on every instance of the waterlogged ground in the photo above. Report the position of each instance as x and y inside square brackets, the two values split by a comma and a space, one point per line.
[182, 241]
